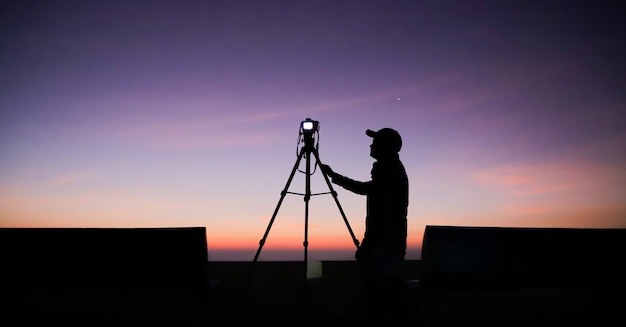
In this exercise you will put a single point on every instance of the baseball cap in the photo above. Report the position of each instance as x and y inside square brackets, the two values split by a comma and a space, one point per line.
[389, 136]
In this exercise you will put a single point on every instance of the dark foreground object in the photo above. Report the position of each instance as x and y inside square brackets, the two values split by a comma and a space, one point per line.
[523, 276]
[469, 276]
[103, 276]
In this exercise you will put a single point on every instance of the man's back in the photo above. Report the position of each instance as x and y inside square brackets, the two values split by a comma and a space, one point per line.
[387, 205]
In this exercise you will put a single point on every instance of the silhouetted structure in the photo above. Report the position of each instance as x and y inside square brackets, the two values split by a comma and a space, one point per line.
[478, 276]
[523, 276]
[103, 276]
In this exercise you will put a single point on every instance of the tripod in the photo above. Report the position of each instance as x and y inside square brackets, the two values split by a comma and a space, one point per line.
[306, 151]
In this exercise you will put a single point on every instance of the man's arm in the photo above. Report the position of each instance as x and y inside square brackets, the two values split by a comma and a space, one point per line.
[349, 184]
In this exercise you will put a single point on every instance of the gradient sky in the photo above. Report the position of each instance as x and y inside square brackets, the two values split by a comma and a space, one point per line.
[187, 113]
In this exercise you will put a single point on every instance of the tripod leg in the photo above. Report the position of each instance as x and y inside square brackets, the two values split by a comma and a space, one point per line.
[267, 230]
[334, 194]
[280, 201]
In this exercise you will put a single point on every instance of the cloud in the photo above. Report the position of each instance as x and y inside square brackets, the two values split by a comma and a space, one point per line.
[547, 188]
[204, 122]
[532, 180]
[72, 178]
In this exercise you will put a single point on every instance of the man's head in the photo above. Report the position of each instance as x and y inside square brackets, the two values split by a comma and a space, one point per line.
[385, 141]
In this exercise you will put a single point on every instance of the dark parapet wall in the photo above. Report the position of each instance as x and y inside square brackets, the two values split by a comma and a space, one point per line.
[511, 256]
[134, 275]
[103, 257]
[522, 276]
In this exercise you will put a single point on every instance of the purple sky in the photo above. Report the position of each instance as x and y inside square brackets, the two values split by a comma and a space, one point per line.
[186, 113]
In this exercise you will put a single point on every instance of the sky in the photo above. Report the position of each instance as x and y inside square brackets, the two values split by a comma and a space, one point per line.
[133, 114]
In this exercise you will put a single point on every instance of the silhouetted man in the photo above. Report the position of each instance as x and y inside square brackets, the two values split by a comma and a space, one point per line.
[382, 250]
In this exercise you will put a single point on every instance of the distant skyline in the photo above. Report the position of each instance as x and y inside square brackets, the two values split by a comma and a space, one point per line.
[186, 113]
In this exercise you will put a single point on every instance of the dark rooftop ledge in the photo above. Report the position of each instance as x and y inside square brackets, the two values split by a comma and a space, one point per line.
[509, 276]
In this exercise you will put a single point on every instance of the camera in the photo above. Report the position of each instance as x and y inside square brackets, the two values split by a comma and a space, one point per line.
[309, 126]
[308, 130]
